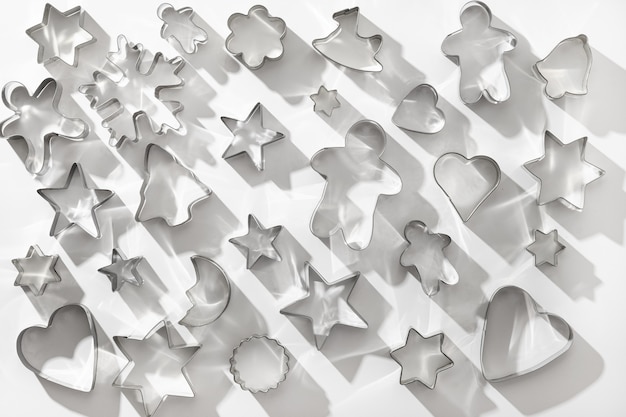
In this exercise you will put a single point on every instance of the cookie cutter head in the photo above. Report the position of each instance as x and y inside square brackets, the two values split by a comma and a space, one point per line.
[345, 47]
[355, 177]
[36, 270]
[421, 359]
[566, 69]
[562, 172]
[519, 336]
[65, 351]
[37, 120]
[546, 247]
[426, 254]
[418, 111]
[258, 242]
[76, 203]
[122, 270]
[179, 26]
[259, 364]
[168, 185]
[466, 182]
[210, 294]
[256, 37]
[479, 48]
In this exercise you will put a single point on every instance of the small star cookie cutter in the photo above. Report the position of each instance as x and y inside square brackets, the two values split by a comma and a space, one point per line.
[418, 111]
[79, 206]
[60, 35]
[346, 47]
[256, 37]
[178, 25]
[478, 48]
[258, 242]
[421, 358]
[546, 247]
[325, 101]
[163, 188]
[122, 270]
[562, 172]
[259, 364]
[38, 120]
[346, 204]
[426, 254]
[36, 270]
[566, 69]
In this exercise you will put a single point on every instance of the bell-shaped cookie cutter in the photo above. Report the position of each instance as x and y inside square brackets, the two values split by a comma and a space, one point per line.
[179, 26]
[418, 111]
[259, 364]
[36, 270]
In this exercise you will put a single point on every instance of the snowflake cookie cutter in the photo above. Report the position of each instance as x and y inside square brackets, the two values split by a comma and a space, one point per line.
[418, 111]
[519, 336]
[566, 69]
[466, 182]
[346, 47]
[478, 48]
[426, 254]
[36, 270]
[562, 172]
[345, 206]
[38, 120]
[258, 242]
[256, 37]
[79, 205]
[120, 97]
[259, 364]
[76, 324]
[178, 25]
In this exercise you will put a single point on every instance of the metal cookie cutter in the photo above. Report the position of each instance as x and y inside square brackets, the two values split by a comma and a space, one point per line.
[519, 336]
[133, 89]
[122, 270]
[36, 270]
[60, 35]
[179, 25]
[155, 385]
[37, 120]
[168, 185]
[421, 358]
[478, 49]
[259, 364]
[258, 242]
[546, 247]
[562, 172]
[466, 182]
[326, 305]
[250, 137]
[426, 254]
[75, 203]
[566, 68]
[325, 101]
[256, 37]
[344, 46]
[355, 177]
[65, 351]
[418, 111]
[210, 294]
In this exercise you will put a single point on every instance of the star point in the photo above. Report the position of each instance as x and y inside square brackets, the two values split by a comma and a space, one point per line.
[122, 270]
[36, 270]
[325, 101]
[546, 247]
[259, 241]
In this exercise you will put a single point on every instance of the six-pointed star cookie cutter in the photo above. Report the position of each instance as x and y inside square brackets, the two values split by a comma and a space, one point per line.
[36, 270]
[259, 364]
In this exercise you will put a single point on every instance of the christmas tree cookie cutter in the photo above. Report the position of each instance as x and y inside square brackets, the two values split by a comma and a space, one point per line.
[179, 26]
[418, 111]
[346, 47]
[36, 270]
[259, 364]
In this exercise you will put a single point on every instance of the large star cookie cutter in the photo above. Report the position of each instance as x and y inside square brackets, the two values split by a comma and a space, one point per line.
[356, 177]
[562, 172]
[479, 49]
[170, 189]
[36, 270]
[566, 69]
[326, 305]
[132, 89]
[258, 242]
[155, 349]
[75, 203]
[73, 361]
[345, 47]
[418, 111]
[426, 254]
[256, 37]
[37, 120]
[259, 364]
[519, 336]
[60, 35]
[178, 25]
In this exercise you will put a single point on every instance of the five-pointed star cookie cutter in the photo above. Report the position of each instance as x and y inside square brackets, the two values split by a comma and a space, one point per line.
[179, 26]
[36, 270]
[258, 242]
[259, 364]
[122, 270]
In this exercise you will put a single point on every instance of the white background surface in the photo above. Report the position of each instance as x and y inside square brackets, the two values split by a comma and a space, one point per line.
[353, 375]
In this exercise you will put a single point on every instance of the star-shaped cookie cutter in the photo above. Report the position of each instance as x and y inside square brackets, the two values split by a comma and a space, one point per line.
[562, 172]
[326, 305]
[325, 101]
[36, 270]
[122, 270]
[546, 247]
[179, 26]
[259, 241]
[79, 208]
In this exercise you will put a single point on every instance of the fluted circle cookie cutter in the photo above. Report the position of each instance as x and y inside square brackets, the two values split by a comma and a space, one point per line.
[240, 360]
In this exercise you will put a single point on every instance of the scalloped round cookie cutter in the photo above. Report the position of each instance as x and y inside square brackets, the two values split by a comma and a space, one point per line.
[259, 364]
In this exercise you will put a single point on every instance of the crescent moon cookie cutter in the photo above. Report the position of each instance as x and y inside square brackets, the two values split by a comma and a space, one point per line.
[178, 25]
[259, 364]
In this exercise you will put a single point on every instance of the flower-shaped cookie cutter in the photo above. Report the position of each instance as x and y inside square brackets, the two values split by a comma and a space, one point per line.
[256, 37]
[259, 364]
[179, 26]
[418, 111]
